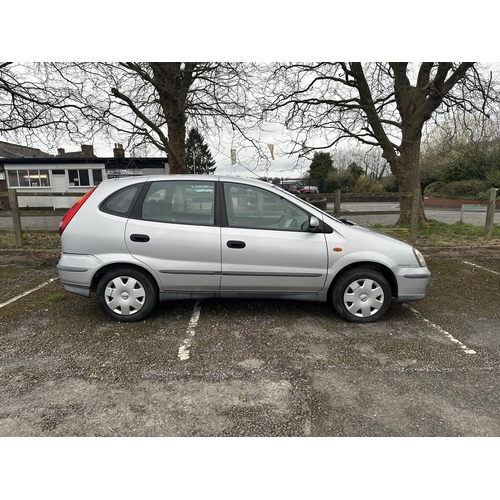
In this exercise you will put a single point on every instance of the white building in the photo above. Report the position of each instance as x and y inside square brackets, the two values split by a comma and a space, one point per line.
[69, 173]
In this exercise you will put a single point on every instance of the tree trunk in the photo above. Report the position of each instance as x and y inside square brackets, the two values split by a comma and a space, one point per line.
[177, 141]
[406, 168]
[172, 84]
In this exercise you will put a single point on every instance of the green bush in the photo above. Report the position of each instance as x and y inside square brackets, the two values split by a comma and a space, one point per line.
[493, 178]
[434, 188]
[458, 190]
[332, 183]
[390, 184]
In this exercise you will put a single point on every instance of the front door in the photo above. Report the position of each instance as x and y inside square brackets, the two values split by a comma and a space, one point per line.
[267, 245]
[60, 185]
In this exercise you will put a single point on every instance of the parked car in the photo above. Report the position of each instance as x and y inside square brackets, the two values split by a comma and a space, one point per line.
[138, 240]
[298, 187]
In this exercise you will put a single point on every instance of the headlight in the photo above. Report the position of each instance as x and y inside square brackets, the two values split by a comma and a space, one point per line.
[419, 257]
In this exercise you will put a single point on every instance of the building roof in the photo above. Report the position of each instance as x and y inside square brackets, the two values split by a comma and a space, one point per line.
[57, 161]
[8, 150]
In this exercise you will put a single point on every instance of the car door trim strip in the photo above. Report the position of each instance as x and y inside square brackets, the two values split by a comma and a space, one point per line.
[239, 273]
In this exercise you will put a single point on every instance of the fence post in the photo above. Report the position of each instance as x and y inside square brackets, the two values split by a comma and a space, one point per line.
[336, 202]
[415, 206]
[16, 218]
[490, 214]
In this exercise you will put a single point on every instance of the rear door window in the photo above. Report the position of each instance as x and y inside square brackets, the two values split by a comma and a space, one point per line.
[180, 202]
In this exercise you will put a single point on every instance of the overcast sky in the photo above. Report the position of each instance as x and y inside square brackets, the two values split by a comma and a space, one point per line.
[262, 31]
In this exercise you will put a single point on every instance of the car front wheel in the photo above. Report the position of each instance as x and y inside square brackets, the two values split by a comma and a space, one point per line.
[127, 294]
[361, 295]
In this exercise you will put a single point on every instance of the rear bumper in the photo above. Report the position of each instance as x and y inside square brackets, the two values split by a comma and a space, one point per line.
[76, 272]
[79, 290]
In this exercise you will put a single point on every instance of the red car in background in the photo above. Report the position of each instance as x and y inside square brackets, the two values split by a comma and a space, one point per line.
[297, 187]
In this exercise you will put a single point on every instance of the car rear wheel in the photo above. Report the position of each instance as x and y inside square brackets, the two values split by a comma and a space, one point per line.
[361, 295]
[127, 294]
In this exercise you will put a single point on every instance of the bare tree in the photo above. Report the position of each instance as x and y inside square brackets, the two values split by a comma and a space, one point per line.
[144, 105]
[151, 103]
[377, 104]
[33, 105]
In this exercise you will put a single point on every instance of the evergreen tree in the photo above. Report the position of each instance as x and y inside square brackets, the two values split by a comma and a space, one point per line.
[321, 165]
[199, 157]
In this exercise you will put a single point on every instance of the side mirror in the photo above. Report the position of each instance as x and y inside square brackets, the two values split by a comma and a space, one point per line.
[313, 222]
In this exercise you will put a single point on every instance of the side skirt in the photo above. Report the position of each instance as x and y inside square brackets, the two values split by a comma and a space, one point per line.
[181, 295]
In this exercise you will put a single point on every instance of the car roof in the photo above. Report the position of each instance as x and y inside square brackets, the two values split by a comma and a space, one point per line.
[127, 181]
[190, 177]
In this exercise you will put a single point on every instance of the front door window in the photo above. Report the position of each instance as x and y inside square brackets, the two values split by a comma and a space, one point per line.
[256, 208]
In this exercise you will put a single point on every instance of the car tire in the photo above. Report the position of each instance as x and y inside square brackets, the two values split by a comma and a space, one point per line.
[361, 295]
[127, 294]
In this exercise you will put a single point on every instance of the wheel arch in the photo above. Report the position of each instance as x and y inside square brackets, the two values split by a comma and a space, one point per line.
[119, 265]
[374, 266]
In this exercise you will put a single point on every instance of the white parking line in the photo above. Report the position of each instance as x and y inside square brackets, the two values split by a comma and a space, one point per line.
[191, 330]
[28, 292]
[442, 331]
[481, 267]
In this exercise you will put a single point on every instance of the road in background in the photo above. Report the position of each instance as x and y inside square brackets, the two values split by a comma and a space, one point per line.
[447, 215]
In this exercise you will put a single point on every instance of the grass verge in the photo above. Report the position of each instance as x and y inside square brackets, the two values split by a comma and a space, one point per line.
[32, 241]
[439, 234]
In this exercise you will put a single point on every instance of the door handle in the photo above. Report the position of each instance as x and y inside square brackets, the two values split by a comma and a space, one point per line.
[139, 238]
[236, 244]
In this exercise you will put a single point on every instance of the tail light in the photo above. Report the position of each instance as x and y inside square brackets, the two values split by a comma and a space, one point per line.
[72, 211]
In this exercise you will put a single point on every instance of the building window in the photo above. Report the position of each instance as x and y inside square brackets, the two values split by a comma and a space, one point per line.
[29, 178]
[79, 177]
[97, 176]
[13, 179]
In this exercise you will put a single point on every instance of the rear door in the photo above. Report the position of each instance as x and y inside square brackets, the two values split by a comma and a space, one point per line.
[175, 234]
[267, 246]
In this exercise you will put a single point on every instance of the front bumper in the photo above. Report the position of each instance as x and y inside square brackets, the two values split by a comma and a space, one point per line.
[412, 283]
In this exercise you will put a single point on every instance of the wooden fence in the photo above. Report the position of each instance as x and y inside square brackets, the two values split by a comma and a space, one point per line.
[416, 196]
[16, 213]
[335, 198]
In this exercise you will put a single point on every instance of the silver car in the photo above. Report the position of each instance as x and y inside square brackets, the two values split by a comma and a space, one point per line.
[138, 240]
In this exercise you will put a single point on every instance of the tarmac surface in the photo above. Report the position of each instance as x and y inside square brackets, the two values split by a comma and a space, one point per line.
[233, 368]
[253, 367]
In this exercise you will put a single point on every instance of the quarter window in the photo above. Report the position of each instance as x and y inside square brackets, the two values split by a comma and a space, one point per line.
[180, 202]
[252, 207]
[121, 202]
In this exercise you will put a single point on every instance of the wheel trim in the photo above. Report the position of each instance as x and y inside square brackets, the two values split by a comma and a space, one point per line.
[364, 298]
[125, 295]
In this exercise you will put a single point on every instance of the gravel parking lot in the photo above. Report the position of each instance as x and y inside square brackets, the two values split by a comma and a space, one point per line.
[251, 368]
